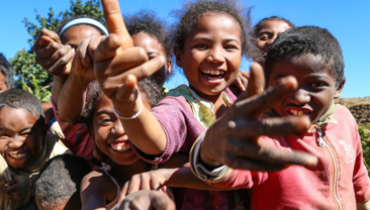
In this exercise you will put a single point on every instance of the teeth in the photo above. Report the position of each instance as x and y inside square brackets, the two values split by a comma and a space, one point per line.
[215, 72]
[18, 155]
[295, 112]
[120, 148]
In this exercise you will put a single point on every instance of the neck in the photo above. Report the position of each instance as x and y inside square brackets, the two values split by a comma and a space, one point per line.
[123, 173]
[219, 105]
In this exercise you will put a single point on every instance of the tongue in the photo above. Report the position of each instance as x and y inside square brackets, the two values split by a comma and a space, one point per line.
[122, 144]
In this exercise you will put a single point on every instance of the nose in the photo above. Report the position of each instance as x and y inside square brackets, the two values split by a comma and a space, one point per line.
[117, 129]
[300, 97]
[16, 142]
[216, 55]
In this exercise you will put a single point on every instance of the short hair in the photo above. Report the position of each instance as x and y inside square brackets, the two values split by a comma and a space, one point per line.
[193, 11]
[7, 70]
[73, 17]
[307, 40]
[147, 21]
[153, 93]
[59, 182]
[18, 98]
[253, 51]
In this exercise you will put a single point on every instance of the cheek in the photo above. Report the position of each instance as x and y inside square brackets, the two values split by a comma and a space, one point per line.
[101, 135]
[260, 44]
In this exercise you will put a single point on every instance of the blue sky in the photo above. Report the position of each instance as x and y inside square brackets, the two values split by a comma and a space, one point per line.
[348, 21]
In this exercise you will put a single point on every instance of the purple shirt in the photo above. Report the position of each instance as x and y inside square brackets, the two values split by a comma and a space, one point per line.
[182, 129]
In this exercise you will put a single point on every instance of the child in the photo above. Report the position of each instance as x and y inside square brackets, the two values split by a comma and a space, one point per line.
[210, 41]
[6, 76]
[120, 162]
[55, 52]
[263, 35]
[339, 180]
[25, 146]
[58, 185]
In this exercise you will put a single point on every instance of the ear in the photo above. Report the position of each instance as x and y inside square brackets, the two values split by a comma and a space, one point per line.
[178, 56]
[339, 89]
[169, 66]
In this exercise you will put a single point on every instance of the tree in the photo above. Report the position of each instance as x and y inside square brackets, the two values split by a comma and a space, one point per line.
[31, 76]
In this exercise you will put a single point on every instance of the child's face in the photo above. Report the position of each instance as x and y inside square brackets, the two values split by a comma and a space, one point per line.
[74, 35]
[316, 86]
[3, 86]
[21, 136]
[269, 32]
[153, 48]
[212, 53]
[109, 135]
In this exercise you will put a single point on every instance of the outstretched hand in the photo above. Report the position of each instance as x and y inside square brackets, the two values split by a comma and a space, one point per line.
[237, 132]
[11, 190]
[52, 55]
[118, 65]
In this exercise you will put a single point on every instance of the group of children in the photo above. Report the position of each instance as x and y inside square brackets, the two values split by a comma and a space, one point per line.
[114, 138]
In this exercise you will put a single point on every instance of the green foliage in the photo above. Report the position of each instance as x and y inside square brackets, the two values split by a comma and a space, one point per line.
[31, 75]
[365, 141]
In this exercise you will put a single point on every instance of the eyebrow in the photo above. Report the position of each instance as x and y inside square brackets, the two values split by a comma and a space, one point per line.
[104, 112]
[209, 39]
[26, 128]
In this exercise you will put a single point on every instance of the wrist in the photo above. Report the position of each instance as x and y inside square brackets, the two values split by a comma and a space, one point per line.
[206, 157]
[130, 109]
[77, 79]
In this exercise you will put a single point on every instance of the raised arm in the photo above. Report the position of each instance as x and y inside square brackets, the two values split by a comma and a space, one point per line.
[118, 66]
[54, 57]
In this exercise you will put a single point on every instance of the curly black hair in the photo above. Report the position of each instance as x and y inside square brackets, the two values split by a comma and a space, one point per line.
[307, 40]
[151, 89]
[193, 11]
[18, 98]
[59, 181]
[73, 17]
[7, 70]
[148, 22]
[253, 51]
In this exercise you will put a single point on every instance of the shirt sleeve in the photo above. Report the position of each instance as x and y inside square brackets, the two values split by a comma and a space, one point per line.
[171, 114]
[361, 182]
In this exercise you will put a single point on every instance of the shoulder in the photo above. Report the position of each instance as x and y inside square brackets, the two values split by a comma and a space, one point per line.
[55, 146]
[95, 181]
[342, 114]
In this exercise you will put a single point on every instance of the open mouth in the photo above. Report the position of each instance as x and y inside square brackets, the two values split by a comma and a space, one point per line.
[213, 75]
[120, 146]
[298, 112]
[17, 155]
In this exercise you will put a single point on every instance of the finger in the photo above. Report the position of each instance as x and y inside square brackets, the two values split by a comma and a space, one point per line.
[251, 164]
[134, 184]
[154, 183]
[145, 181]
[51, 34]
[107, 48]
[82, 52]
[265, 153]
[261, 103]
[93, 45]
[128, 92]
[61, 64]
[256, 81]
[46, 63]
[239, 83]
[161, 201]
[115, 24]
[45, 52]
[124, 191]
[241, 128]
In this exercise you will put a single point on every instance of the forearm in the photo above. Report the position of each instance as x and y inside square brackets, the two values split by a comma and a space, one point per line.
[144, 131]
[58, 83]
[92, 201]
[71, 99]
[184, 177]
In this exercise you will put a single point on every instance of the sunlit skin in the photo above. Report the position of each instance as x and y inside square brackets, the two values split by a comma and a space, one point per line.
[74, 35]
[213, 44]
[153, 48]
[3, 86]
[316, 90]
[21, 136]
[269, 32]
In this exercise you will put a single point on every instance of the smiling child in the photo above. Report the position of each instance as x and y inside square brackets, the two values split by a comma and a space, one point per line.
[339, 180]
[25, 146]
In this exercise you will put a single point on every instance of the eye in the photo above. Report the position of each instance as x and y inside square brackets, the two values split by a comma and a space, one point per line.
[201, 46]
[4, 136]
[104, 120]
[317, 84]
[26, 133]
[263, 37]
[230, 47]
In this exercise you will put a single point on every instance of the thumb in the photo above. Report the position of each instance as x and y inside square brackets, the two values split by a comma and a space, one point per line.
[161, 201]
[127, 91]
[256, 82]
